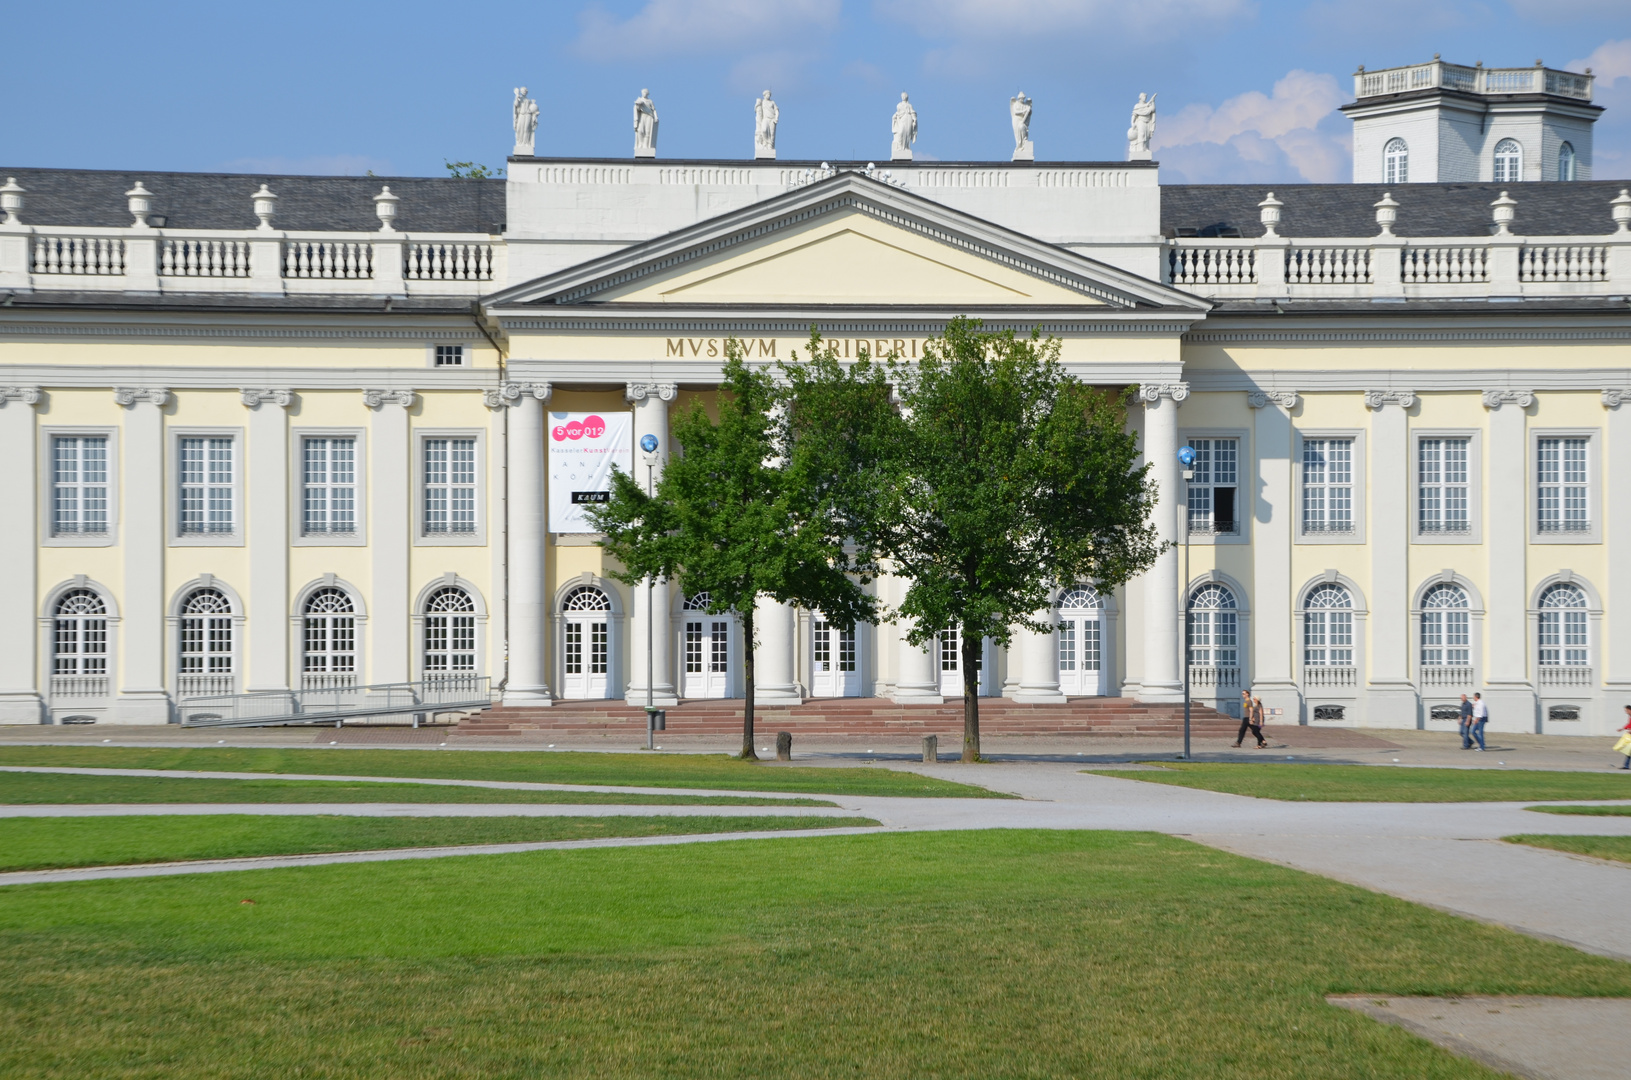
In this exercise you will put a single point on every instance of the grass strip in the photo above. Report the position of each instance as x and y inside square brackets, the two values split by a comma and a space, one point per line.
[49, 843]
[1589, 811]
[1617, 848]
[994, 953]
[543, 767]
[35, 789]
[1374, 783]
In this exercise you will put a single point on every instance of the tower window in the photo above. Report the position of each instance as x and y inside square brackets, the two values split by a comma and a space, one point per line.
[1565, 162]
[1396, 162]
[1508, 162]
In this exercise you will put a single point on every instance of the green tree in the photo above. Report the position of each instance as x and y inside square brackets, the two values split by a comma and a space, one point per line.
[735, 516]
[469, 170]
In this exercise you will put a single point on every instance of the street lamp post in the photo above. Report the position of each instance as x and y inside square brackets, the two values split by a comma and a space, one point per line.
[648, 446]
[1186, 458]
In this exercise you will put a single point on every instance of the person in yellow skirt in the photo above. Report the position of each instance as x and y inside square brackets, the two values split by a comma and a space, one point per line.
[1624, 745]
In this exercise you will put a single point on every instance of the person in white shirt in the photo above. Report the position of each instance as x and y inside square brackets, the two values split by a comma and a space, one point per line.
[1480, 716]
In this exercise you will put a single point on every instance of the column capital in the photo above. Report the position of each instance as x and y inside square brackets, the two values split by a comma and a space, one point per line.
[30, 395]
[254, 399]
[376, 399]
[1152, 393]
[1494, 399]
[1613, 399]
[153, 395]
[1378, 399]
[1286, 399]
[639, 391]
[513, 393]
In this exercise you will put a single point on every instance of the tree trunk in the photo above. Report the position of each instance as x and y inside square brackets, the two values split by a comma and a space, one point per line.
[747, 682]
[971, 695]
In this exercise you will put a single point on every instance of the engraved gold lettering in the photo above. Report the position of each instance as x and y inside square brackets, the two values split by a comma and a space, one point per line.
[676, 346]
[713, 346]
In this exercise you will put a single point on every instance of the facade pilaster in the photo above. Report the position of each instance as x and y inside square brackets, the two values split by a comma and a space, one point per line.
[390, 535]
[1617, 533]
[1274, 511]
[1162, 680]
[142, 698]
[20, 699]
[527, 681]
[266, 531]
[1507, 687]
[652, 606]
[1392, 696]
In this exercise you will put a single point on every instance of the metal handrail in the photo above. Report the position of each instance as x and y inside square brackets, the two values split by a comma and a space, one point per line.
[445, 693]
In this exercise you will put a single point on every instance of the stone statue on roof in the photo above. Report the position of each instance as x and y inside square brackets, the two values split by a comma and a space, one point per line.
[645, 125]
[526, 122]
[1142, 129]
[765, 116]
[1019, 113]
[904, 126]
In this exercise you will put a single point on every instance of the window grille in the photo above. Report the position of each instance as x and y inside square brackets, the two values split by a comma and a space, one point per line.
[1214, 627]
[1565, 162]
[587, 598]
[1446, 639]
[951, 652]
[80, 637]
[207, 471]
[1441, 486]
[1328, 627]
[1396, 158]
[1212, 492]
[1561, 485]
[693, 648]
[79, 484]
[1508, 162]
[1328, 494]
[719, 651]
[1563, 626]
[450, 632]
[206, 634]
[329, 497]
[450, 356]
[450, 486]
[330, 634]
[846, 648]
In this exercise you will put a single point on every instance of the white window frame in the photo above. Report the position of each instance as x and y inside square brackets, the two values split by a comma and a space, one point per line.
[359, 627]
[1357, 536]
[465, 363]
[177, 617]
[1495, 171]
[1568, 161]
[235, 538]
[1245, 485]
[1401, 174]
[47, 487]
[1594, 486]
[421, 614]
[1475, 630]
[297, 488]
[475, 538]
[1475, 486]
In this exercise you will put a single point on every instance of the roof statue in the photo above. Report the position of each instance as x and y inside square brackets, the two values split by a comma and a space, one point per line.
[645, 126]
[526, 122]
[1142, 129]
[1019, 113]
[765, 116]
[904, 126]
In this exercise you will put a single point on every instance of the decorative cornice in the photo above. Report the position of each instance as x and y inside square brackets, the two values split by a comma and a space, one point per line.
[375, 399]
[1260, 399]
[1613, 399]
[1199, 337]
[1376, 399]
[28, 395]
[254, 399]
[1152, 393]
[512, 394]
[1494, 399]
[639, 391]
[100, 329]
[127, 396]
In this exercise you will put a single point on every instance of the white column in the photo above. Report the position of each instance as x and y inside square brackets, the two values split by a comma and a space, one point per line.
[1273, 669]
[20, 699]
[390, 535]
[1616, 649]
[775, 679]
[527, 588]
[142, 698]
[918, 681]
[1392, 697]
[266, 531]
[1038, 656]
[1162, 679]
[1507, 689]
[650, 402]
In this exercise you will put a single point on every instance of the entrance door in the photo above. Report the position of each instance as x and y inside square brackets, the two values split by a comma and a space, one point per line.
[951, 665]
[705, 650]
[833, 668]
[586, 633]
[1081, 645]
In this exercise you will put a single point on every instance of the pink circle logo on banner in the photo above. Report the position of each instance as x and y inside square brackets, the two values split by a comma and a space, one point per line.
[593, 426]
[559, 432]
[574, 431]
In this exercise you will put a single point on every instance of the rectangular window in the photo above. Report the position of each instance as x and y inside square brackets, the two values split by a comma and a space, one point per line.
[1563, 638]
[449, 356]
[1441, 486]
[328, 504]
[597, 648]
[574, 648]
[450, 487]
[1067, 645]
[1090, 645]
[822, 637]
[79, 482]
[1328, 485]
[693, 648]
[719, 652]
[207, 475]
[1445, 639]
[1212, 492]
[846, 648]
[1561, 487]
[1328, 638]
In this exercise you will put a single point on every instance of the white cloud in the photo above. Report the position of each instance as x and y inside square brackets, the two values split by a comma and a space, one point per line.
[667, 27]
[986, 19]
[1276, 132]
[1610, 62]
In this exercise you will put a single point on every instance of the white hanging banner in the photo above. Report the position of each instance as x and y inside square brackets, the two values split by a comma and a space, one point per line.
[583, 447]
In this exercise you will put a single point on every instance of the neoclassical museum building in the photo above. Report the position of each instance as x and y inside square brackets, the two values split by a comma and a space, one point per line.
[275, 437]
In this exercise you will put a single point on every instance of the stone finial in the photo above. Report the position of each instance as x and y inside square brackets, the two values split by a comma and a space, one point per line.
[1268, 212]
[385, 208]
[1387, 212]
[1621, 208]
[265, 207]
[11, 201]
[140, 202]
[1506, 208]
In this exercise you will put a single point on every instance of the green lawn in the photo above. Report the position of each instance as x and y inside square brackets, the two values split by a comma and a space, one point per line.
[544, 767]
[64, 788]
[44, 843]
[1375, 783]
[999, 953]
[1603, 847]
[1590, 811]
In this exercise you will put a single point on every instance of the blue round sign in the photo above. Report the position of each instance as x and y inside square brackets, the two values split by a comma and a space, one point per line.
[1186, 456]
[648, 443]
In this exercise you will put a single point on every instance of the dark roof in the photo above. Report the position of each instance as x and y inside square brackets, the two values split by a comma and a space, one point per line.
[96, 198]
[1579, 208]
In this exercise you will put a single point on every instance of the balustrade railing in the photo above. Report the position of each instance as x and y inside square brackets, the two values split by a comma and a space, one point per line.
[1330, 676]
[326, 680]
[1563, 262]
[79, 686]
[79, 255]
[1209, 265]
[1441, 265]
[1565, 675]
[1447, 676]
[1213, 677]
[1322, 265]
[194, 685]
[1479, 80]
[448, 262]
[327, 259]
[204, 258]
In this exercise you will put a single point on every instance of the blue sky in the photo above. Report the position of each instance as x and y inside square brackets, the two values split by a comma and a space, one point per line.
[1247, 89]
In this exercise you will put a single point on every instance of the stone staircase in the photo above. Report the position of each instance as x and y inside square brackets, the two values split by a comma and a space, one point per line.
[859, 716]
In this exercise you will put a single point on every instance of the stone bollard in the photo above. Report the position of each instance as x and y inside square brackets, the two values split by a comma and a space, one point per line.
[931, 748]
[784, 746]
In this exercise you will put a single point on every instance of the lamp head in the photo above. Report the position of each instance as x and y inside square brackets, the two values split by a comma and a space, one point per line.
[1186, 456]
[648, 443]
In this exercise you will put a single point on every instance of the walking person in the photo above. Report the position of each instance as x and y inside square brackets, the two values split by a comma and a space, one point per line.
[1259, 715]
[1466, 723]
[1624, 744]
[1245, 717]
[1480, 717]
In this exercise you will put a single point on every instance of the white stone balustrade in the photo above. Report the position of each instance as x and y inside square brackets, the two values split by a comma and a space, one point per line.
[434, 261]
[327, 259]
[94, 255]
[1438, 75]
[204, 258]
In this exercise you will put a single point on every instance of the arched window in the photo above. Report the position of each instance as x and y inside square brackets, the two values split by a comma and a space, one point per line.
[1563, 626]
[1081, 641]
[1445, 628]
[1565, 162]
[1508, 162]
[205, 648]
[1214, 627]
[705, 643]
[79, 660]
[330, 641]
[1328, 627]
[450, 633]
[696, 602]
[587, 641]
[1396, 162]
